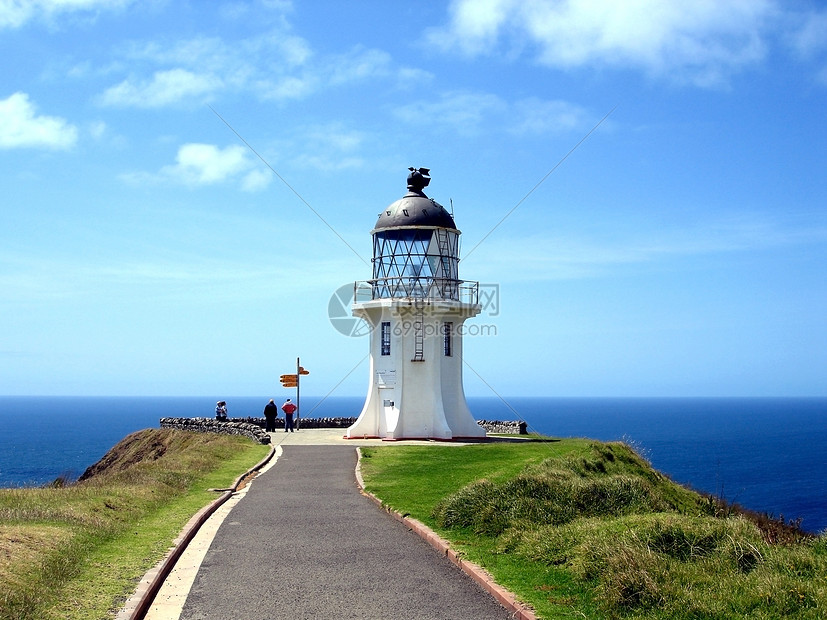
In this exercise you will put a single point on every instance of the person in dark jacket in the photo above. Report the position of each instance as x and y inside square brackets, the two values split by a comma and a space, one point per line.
[271, 410]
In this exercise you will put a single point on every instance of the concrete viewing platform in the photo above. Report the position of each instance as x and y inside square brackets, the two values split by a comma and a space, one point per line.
[335, 437]
[302, 541]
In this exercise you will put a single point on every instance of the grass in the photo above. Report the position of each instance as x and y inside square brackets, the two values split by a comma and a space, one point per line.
[76, 551]
[585, 529]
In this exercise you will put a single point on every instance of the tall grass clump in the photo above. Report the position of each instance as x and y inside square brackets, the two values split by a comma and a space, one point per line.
[670, 565]
[604, 482]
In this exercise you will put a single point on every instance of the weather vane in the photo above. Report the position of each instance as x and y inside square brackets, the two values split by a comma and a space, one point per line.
[418, 179]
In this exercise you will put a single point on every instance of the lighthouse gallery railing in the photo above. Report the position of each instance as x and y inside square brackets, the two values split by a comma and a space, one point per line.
[463, 291]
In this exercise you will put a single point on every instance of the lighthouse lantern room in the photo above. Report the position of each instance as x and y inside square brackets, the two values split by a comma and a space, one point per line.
[416, 306]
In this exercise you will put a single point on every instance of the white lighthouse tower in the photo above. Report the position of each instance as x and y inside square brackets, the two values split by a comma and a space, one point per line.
[416, 305]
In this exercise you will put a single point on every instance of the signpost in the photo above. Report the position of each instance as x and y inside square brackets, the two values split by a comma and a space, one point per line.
[292, 381]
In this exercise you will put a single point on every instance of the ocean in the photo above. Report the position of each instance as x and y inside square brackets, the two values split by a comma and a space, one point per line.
[766, 454]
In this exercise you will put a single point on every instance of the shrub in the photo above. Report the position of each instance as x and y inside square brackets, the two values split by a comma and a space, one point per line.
[536, 498]
[680, 566]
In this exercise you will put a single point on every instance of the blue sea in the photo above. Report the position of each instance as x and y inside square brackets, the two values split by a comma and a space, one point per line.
[766, 454]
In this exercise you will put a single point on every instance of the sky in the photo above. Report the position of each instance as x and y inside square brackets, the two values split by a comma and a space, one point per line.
[188, 191]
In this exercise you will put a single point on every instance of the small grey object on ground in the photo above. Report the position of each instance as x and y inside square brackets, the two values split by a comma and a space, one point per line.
[305, 543]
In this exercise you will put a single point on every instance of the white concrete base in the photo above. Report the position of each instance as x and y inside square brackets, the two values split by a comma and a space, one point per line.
[415, 396]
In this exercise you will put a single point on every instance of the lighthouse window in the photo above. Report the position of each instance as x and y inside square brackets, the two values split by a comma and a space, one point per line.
[386, 337]
[448, 331]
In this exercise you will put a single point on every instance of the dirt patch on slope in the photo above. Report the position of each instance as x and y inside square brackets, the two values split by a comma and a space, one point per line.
[141, 446]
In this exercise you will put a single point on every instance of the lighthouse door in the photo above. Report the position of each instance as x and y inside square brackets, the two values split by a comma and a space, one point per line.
[389, 418]
[390, 413]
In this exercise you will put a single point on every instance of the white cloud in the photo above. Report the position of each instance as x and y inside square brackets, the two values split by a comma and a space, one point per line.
[811, 37]
[329, 147]
[563, 257]
[165, 88]
[334, 137]
[15, 13]
[702, 41]
[199, 164]
[463, 111]
[286, 49]
[97, 129]
[275, 66]
[289, 87]
[359, 64]
[256, 180]
[21, 127]
[467, 112]
[535, 116]
[206, 164]
[52, 280]
[328, 163]
[408, 77]
[809, 40]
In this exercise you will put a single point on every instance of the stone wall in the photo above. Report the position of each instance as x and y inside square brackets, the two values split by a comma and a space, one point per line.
[303, 422]
[254, 427]
[211, 425]
[504, 427]
[507, 427]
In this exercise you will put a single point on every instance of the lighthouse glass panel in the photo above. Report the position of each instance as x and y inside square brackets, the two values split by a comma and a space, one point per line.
[416, 263]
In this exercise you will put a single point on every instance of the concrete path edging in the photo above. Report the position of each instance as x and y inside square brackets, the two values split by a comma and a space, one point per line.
[481, 576]
[140, 602]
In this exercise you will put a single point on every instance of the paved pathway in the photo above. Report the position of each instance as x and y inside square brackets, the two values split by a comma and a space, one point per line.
[304, 543]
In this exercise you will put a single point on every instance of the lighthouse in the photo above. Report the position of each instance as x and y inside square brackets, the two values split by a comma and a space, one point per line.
[416, 306]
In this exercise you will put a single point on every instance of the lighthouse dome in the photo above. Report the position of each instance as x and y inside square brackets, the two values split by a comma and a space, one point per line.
[415, 247]
[415, 209]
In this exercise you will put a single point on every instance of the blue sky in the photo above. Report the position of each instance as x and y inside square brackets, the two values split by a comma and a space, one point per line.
[679, 250]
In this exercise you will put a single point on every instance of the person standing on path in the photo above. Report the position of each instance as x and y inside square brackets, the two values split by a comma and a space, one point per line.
[289, 409]
[271, 410]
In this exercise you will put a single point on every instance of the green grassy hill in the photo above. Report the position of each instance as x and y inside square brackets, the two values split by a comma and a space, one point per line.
[585, 529]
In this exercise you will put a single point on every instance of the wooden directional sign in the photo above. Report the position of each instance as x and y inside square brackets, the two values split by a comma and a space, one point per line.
[289, 380]
[292, 381]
